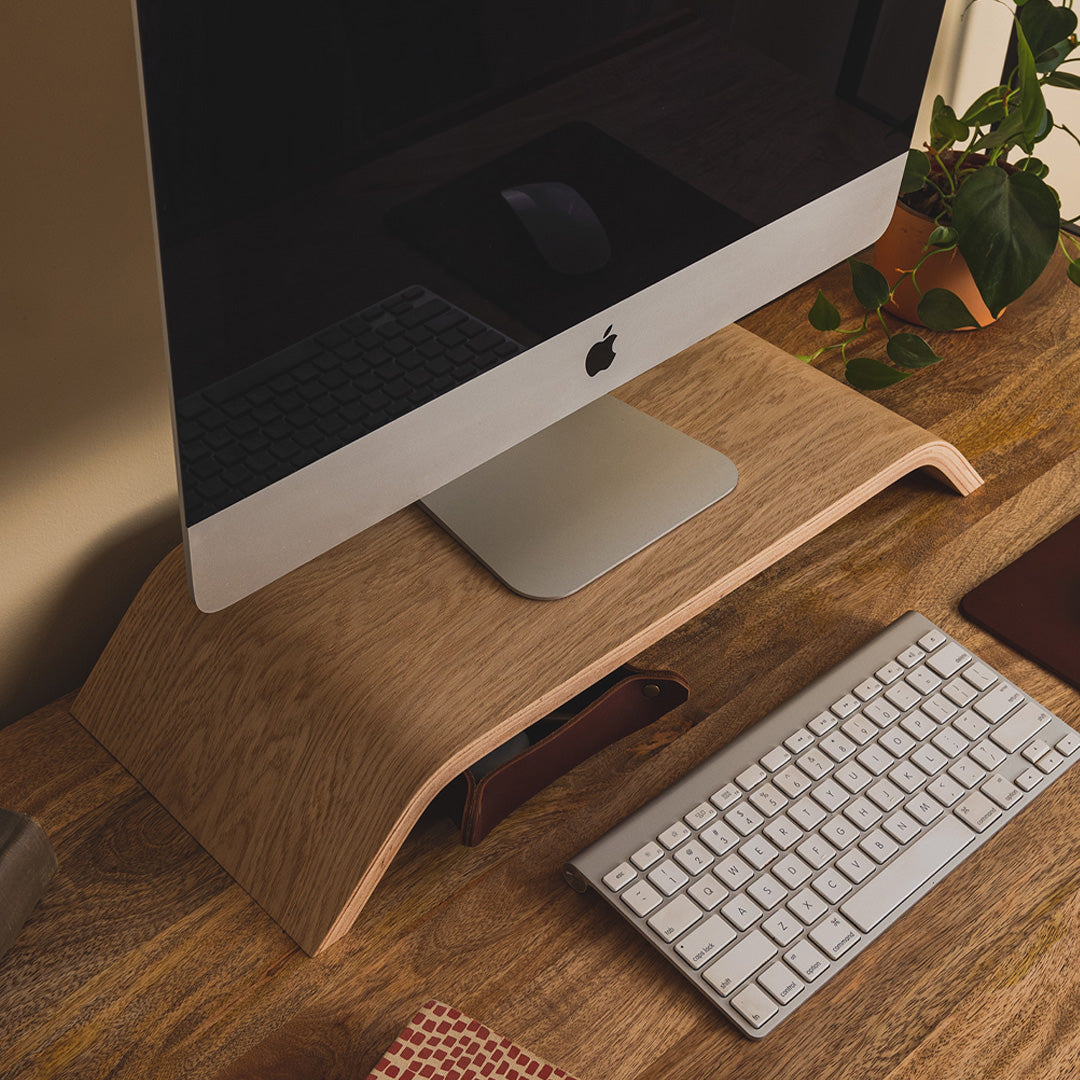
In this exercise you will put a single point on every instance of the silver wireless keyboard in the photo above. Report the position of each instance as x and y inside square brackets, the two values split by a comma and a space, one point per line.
[762, 872]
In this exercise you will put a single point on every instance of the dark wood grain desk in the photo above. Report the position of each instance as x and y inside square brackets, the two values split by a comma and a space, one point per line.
[145, 960]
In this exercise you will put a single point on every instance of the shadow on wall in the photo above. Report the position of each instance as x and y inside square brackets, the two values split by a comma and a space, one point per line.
[58, 651]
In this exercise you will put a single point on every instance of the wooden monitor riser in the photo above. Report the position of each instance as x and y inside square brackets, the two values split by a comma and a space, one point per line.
[299, 734]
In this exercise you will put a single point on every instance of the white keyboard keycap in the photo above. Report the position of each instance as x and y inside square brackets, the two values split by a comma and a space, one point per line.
[741, 912]
[948, 661]
[889, 673]
[718, 838]
[1049, 762]
[897, 881]
[743, 819]
[987, 755]
[807, 906]
[933, 640]
[705, 941]
[668, 878]
[867, 689]
[806, 961]
[727, 796]
[843, 708]
[959, 692]
[912, 656]
[694, 857]
[755, 1005]
[1020, 727]
[700, 816]
[980, 676]
[733, 872]
[782, 928]
[780, 982]
[823, 722]
[1000, 701]
[766, 892]
[903, 696]
[977, 811]
[707, 892]
[1035, 750]
[750, 777]
[971, 726]
[775, 759]
[792, 871]
[798, 741]
[641, 898]
[647, 855]
[792, 781]
[881, 712]
[1067, 745]
[923, 679]
[834, 936]
[674, 835]
[620, 877]
[998, 789]
[946, 790]
[885, 795]
[815, 764]
[673, 918]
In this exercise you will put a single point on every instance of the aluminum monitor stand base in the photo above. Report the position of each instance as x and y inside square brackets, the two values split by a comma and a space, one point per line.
[553, 513]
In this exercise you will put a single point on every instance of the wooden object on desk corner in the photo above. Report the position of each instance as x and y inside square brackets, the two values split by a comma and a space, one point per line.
[299, 734]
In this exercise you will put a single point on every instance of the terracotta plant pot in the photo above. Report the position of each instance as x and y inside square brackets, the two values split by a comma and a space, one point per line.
[902, 246]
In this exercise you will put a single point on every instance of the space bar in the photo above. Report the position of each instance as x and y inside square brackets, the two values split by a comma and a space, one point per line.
[913, 868]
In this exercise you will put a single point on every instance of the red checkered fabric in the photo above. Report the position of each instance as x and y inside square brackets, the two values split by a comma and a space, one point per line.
[442, 1043]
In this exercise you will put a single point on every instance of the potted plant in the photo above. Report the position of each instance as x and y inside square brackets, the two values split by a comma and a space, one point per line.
[995, 219]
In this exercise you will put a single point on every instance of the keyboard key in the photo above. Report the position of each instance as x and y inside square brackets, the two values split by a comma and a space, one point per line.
[988, 755]
[707, 892]
[1049, 762]
[668, 878]
[705, 941]
[889, 673]
[807, 906]
[798, 741]
[792, 871]
[674, 918]
[732, 871]
[949, 660]
[775, 759]
[674, 835]
[792, 781]
[980, 676]
[881, 712]
[834, 936]
[641, 898]
[647, 855]
[741, 912]
[911, 656]
[1000, 701]
[780, 982]
[700, 816]
[843, 708]
[766, 892]
[782, 928]
[1020, 727]
[743, 819]
[694, 858]
[727, 796]
[903, 696]
[922, 679]
[823, 722]
[750, 777]
[1035, 750]
[1068, 744]
[977, 811]
[621, 876]
[806, 961]
[933, 640]
[718, 838]
[999, 790]
[897, 881]
[753, 1004]
[971, 726]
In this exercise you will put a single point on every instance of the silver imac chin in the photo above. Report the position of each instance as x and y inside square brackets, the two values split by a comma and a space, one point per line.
[261, 538]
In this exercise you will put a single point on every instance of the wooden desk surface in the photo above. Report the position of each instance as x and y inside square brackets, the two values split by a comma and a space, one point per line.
[145, 960]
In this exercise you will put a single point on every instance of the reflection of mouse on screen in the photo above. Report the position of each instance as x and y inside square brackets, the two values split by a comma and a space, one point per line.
[563, 227]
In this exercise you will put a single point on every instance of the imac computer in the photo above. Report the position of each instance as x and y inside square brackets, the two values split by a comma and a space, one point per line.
[408, 247]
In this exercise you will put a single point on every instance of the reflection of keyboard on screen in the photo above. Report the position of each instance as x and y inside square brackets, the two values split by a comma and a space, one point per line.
[770, 866]
[319, 394]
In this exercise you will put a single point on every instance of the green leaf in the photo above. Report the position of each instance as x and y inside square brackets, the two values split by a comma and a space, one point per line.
[1032, 106]
[940, 309]
[987, 108]
[1064, 79]
[945, 128]
[869, 374]
[1009, 131]
[910, 351]
[916, 170]
[871, 288]
[942, 236]
[1051, 59]
[1045, 24]
[823, 315]
[1007, 226]
[1034, 166]
[1074, 271]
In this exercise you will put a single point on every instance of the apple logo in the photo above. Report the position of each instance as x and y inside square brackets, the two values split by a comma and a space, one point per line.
[601, 355]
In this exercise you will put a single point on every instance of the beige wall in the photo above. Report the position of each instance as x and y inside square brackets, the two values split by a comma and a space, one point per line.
[87, 490]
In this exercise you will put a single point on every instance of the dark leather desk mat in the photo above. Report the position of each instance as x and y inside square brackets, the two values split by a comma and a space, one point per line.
[1033, 604]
